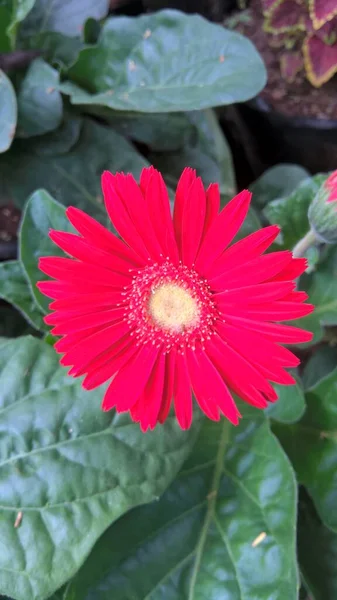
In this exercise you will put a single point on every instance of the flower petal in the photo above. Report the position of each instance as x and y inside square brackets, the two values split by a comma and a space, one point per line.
[168, 386]
[193, 221]
[130, 381]
[182, 392]
[188, 176]
[223, 229]
[212, 205]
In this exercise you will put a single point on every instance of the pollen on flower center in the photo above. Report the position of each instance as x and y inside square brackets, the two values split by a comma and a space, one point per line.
[172, 307]
[169, 306]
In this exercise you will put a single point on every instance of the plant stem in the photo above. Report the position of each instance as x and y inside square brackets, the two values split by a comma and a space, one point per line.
[304, 244]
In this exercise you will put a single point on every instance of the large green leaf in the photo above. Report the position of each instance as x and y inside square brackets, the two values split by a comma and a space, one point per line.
[8, 112]
[65, 17]
[203, 540]
[73, 177]
[205, 149]
[14, 289]
[290, 405]
[41, 214]
[291, 213]
[39, 102]
[67, 469]
[277, 182]
[165, 62]
[321, 285]
[317, 553]
[312, 447]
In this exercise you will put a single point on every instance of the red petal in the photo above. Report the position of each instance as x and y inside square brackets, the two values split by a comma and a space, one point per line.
[108, 369]
[255, 294]
[244, 251]
[212, 205]
[157, 200]
[223, 229]
[120, 217]
[273, 311]
[99, 236]
[93, 345]
[193, 221]
[78, 323]
[87, 302]
[256, 271]
[153, 394]
[291, 271]
[168, 386]
[130, 381]
[71, 270]
[278, 333]
[79, 248]
[187, 177]
[182, 392]
[210, 390]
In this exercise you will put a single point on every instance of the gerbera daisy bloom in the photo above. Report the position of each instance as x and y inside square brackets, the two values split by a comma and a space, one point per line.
[171, 307]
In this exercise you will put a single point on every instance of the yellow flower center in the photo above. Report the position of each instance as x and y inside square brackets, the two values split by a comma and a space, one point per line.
[173, 308]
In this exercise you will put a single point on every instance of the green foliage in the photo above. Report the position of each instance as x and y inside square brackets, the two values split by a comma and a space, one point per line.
[199, 540]
[8, 112]
[90, 507]
[69, 469]
[157, 63]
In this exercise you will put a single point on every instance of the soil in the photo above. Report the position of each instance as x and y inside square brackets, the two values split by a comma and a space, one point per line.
[9, 222]
[298, 98]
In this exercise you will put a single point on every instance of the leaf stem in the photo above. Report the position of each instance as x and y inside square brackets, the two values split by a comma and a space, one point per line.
[304, 244]
[211, 498]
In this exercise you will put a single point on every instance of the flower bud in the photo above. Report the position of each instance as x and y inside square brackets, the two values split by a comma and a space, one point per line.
[323, 211]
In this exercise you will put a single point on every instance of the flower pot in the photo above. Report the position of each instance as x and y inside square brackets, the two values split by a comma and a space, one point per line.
[309, 142]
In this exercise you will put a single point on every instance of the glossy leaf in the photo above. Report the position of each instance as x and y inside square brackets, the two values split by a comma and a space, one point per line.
[203, 539]
[291, 213]
[311, 445]
[64, 17]
[14, 288]
[277, 182]
[39, 102]
[57, 48]
[157, 63]
[290, 405]
[62, 140]
[41, 214]
[321, 286]
[73, 177]
[68, 470]
[317, 553]
[8, 112]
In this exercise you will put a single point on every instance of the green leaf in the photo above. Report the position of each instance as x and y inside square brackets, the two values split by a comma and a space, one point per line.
[291, 213]
[312, 446]
[317, 553]
[57, 48]
[64, 17]
[74, 177]
[5, 19]
[68, 468]
[204, 148]
[198, 541]
[319, 365]
[321, 286]
[290, 405]
[14, 289]
[39, 102]
[62, 139]
[20, 9]
[8, 112]
[41, 214]
[277, 182]
[165, 62]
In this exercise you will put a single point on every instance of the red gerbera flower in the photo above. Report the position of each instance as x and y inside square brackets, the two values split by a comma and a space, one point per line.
[172, 308]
